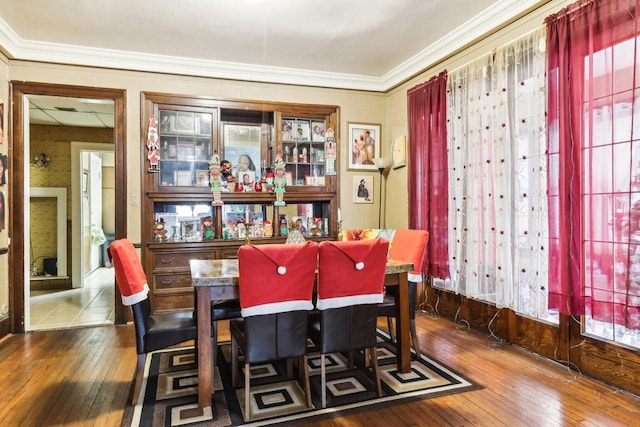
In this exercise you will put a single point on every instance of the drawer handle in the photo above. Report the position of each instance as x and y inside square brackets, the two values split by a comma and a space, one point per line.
[166, 282]
[166, 261]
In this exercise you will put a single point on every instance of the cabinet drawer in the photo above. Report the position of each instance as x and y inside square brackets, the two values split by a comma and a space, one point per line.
[229, 253]
[172, 281]
[180, 259]
[169, 303]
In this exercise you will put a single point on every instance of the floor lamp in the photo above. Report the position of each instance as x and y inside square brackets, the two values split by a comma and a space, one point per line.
[382, 163]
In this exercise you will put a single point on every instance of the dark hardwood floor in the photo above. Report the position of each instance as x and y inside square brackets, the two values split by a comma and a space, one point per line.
[82, 377]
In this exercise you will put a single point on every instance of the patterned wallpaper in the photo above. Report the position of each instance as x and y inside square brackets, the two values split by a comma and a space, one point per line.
[56, 142]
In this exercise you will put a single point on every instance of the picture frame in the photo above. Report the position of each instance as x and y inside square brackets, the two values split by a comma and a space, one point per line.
[200, 152]
[190, 230]
[399, 152]
[302, 130]
[318, 129]
[243, 141]
[185, 122]
[314, 180]
[186, 152]
[362, 189]
[288, 177]
[286, 129]
[4, 168]
[364, 145]
[302, 223]
[184, 178]
[202, 178]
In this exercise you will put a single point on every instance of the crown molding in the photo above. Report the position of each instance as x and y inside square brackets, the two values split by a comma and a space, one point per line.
[484, 23]
[479, 26]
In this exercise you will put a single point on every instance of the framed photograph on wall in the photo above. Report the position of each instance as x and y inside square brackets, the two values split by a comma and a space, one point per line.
[364, 145]
[399, 152]
[362, 189]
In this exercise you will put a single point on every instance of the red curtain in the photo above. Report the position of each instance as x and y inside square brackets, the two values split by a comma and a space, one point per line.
[428, 170]
[582, 80]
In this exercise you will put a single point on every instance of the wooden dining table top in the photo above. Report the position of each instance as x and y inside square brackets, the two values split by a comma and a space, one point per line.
[224, 272]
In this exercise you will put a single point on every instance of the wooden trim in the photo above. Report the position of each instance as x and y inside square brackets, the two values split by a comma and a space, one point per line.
[566, 344]
[16, 146]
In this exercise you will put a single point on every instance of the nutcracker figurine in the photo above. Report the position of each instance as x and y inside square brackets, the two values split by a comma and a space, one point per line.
[215, 179]
[279, 181]
[153, 145]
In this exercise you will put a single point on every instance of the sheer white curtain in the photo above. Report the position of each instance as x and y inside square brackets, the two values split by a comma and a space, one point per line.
[497, 203]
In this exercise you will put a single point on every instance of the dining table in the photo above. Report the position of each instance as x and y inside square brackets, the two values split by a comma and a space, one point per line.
[216, 280]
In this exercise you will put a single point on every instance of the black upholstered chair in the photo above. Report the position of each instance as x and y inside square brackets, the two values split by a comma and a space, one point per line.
[221, 310]
[276, 287]
[408, 245]
[153, 331]
[350, 285]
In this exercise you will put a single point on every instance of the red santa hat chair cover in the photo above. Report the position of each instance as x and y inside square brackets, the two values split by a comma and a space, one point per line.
[286, 274]
[361, 263]
[130, 276]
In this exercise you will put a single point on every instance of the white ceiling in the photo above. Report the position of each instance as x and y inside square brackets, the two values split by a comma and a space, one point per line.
[356, 44]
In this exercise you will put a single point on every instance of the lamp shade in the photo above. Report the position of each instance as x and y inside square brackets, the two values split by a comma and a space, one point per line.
[382, 162]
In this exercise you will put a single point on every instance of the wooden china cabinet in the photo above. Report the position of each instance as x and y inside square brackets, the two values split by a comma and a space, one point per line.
[190, 130]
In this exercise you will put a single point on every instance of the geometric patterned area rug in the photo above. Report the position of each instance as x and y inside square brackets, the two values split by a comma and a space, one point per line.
[169, 393]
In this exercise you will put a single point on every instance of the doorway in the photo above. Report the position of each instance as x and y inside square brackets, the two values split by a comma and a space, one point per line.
[21, 160]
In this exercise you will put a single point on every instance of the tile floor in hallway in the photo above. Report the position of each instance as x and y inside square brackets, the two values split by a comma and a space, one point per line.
[89, 306]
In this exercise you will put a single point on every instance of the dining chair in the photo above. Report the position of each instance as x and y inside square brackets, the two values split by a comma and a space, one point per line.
[276, 287]
[350, 285]
[153, 331]
[407, 245]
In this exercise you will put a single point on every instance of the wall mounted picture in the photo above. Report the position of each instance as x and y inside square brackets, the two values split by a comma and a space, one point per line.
[362, 189]
[364, 145]
[2, 210]
[1, 122]
[399, 152]
[4, 168]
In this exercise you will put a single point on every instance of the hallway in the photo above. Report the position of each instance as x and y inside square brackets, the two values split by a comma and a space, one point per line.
[92, 305]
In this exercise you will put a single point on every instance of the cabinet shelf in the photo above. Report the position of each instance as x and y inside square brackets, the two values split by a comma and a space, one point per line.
[177, 195]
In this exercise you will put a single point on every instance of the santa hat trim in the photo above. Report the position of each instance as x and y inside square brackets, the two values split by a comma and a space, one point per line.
[137, 297]
[277, 307]
[327, 303]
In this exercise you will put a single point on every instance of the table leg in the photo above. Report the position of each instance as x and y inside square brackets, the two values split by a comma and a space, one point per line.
[402, 325]
[203, 301]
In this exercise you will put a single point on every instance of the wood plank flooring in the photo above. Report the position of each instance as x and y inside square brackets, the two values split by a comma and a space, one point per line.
[81, 377]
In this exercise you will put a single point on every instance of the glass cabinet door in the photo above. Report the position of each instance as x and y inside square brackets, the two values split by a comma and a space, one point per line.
[303, 150]
[185, 148]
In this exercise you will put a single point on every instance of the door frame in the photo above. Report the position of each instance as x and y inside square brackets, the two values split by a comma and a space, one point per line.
[18, 91]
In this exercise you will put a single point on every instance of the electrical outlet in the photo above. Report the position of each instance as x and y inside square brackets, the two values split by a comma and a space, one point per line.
[135, 201]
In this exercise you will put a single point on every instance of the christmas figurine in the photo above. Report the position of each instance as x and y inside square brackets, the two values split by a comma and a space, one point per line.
[153, 145]
[284, 228]
[315, 229]
[269, 185]
[279, 181]
[330, 151]
[160, 231]
[207, 228]
[215, 179]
